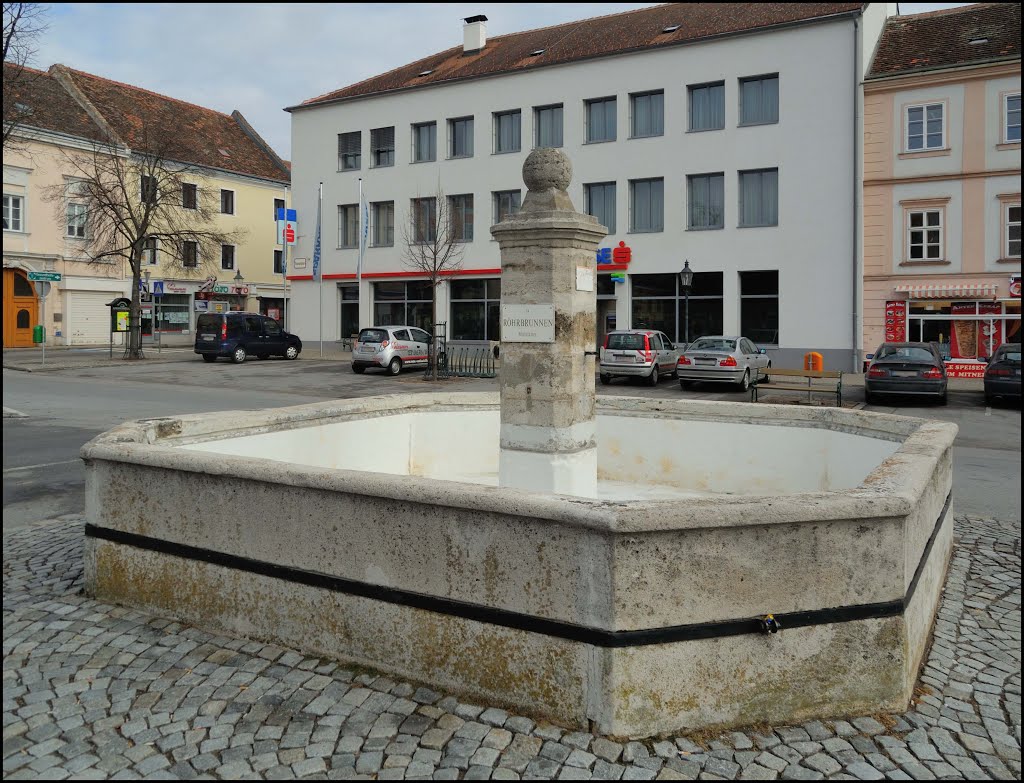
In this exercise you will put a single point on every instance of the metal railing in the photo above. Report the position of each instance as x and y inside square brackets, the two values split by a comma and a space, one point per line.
[461, 361]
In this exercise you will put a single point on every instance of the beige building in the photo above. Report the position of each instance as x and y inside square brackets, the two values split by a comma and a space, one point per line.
[942, 196]
[63, 112]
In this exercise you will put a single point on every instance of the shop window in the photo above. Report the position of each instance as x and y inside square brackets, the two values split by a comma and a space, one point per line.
[172, 313]
[349, 310]
[925, 127]
[759, 307]
[404, 304]
[658, 302]
[924, 235]
[476, 309]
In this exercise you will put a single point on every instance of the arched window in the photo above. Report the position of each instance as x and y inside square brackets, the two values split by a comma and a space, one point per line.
[22, 287]
[23, 319]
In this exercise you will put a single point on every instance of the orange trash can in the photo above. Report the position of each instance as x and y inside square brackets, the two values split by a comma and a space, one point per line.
[814, 361]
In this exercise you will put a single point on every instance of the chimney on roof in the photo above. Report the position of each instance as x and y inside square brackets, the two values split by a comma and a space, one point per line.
[474, 34]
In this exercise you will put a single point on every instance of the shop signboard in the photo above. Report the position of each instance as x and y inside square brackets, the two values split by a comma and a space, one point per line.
[1015, 287]
[965, 369]
[895, 322]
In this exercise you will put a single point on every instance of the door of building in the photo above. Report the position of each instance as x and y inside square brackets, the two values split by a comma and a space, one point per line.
[21, 308]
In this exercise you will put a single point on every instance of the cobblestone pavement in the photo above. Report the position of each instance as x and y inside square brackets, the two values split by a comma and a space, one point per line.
[95, 691]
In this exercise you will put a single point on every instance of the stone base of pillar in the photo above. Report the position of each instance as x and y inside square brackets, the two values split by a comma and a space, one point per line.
[573, 473]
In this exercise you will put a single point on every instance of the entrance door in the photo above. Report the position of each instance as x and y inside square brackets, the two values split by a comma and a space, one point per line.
[21, 308]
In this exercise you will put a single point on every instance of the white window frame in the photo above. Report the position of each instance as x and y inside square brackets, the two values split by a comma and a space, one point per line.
[234, 258]
[198, 262]
[9, 212]
[151, 260]
[1007, 224]
[924, 129]
[925, 228]
[1006, 118]
[68, 234]
[343, 224]
[234, 201]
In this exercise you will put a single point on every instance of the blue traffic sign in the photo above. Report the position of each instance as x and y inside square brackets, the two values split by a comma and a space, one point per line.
[291, 217]
[158, 288]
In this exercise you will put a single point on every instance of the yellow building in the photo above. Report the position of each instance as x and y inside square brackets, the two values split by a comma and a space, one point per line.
[63, 112]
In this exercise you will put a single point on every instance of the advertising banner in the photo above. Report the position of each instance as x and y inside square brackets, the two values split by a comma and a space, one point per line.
[963, 338]
[895, 322]
[991, 331]
[965, 369]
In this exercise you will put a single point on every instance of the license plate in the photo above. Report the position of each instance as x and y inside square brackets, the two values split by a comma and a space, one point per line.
[704, 361]
[622, 357]
[904, 373]
[208, 338]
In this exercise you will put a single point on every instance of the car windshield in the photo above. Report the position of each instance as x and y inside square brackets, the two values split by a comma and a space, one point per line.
[712, 344]
[627, 342]
[373, 335]
[913, 353]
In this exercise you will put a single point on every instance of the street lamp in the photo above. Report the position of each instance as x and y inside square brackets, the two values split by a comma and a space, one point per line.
[686, 282]
[238, 276]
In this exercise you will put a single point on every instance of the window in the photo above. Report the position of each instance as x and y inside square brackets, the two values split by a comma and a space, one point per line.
[1011, 126]
[227, 257]
[925, 127]
[350, 154]
[279, 262]
[148, 189]
[190, 254]
[227, 202]
[599, 201]
[76, 221]
[149, 251]
[278, 204]
[476, 309]
[348, 225]
[189, 196]
[506, 202]
[705, 195]
[271, 327]
[460, 134]
[410, 304]
[349, 309]
[547, 121]
[707, 106]
[759, 198]
[647, 111]
[759, 100]
[382, 147]
[660, 303]
[424, 219]
[424, 142]
[601, 120]
[924, 235]
[383, 223]
[507, 136]
[1013, 231]
[462, 217]
[14, 208]
[646, 205]
[759, 306]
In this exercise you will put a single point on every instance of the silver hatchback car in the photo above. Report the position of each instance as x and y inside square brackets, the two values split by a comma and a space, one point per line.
[723, 359]
[391, 348]
[638, 353]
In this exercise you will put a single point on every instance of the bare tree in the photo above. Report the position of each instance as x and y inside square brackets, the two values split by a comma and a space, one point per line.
[130, 205]
[433, 241]
[23, 24]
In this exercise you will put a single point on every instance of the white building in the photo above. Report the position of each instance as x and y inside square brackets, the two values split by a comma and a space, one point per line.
[731, 140]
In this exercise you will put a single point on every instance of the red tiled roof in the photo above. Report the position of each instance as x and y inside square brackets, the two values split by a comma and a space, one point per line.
[596, 37]
[942, 39]
[148, 121]
[47, 105]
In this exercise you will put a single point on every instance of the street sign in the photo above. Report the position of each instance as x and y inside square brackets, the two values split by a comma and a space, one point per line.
[52, 277]
[43, 289]
[286, 228]
[158, 287]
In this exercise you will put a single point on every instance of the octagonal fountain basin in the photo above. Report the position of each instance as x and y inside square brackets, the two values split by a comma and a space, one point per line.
[741, 563]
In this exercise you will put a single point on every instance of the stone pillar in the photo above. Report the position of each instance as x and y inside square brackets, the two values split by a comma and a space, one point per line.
[548, 314]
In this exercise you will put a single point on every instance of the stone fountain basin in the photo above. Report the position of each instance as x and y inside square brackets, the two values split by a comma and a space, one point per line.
[371, 530]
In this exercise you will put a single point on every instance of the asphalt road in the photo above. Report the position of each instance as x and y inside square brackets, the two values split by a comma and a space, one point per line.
[43, 476]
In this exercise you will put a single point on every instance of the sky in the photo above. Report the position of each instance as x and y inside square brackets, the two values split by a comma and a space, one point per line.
[261, 57]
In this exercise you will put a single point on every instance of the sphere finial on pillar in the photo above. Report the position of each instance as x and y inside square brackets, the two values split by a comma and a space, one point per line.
[547, 169]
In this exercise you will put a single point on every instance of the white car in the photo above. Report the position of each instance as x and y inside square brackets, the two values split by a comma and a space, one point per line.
[390, 348]
[637, 353]
[721, 359]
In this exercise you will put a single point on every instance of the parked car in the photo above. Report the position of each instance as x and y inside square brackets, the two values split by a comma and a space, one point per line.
[1002, 376]
[908, 369]
[391, 348]
[723, 359]
[637, 353]
[240, 335]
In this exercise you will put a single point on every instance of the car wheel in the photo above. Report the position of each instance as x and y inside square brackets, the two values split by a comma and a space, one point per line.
[395, 367]
[358, 369]
[944, 399]
[653, 378]
[291, 352]
[263, 356]
[605, 379]
[745, 383]
[208, 358]
[238, 355]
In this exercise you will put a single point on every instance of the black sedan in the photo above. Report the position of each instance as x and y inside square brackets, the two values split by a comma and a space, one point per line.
[907, 369]
[1002, 376]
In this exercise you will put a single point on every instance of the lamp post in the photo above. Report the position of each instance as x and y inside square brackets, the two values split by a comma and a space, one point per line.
[238, 282]
[686, 282]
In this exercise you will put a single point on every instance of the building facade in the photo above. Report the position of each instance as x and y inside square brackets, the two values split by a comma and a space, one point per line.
[65, 113]
[942, 195]
[693, 136]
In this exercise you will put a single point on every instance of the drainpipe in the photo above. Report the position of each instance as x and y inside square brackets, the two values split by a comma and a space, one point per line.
[857, 137]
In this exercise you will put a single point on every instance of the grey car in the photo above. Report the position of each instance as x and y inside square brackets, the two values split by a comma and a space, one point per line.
[723, 359]
[637, 353]
[391, 348]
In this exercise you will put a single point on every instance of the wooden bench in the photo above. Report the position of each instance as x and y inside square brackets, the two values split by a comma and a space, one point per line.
[807, 381]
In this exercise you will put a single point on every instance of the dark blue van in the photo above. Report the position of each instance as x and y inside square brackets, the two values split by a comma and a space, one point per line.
[241, 335]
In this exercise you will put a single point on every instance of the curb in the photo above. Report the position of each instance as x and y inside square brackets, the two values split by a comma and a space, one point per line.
[10, 413]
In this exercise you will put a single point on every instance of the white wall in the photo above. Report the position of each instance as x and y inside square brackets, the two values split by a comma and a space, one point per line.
[812, 146]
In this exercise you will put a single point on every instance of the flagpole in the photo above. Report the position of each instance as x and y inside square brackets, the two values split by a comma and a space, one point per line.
[318, 264]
